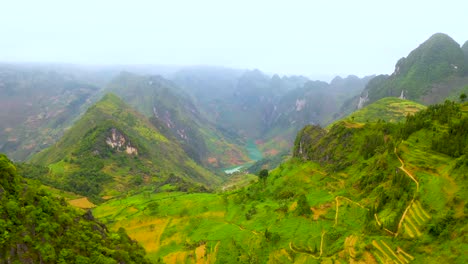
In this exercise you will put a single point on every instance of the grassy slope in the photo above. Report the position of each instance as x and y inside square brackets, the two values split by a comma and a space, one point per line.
[389, 109]
[158, 157]
[355, 210]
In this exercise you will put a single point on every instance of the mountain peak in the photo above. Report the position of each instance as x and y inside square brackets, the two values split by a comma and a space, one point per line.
[421, 74]
[114, 148]
[440, 37]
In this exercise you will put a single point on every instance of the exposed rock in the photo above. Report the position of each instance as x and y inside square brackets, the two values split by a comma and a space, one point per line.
[118, 142]
[300, 103]
[363, 100]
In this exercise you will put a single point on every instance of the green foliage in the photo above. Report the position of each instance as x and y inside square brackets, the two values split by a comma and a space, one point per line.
[176, 116]
[84, 161]
[462, 97]
[388, 109]
[437, 60]
[263, 174]
[36, 227]
[303, 207]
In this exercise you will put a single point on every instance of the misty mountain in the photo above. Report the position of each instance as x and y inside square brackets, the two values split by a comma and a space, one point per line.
[36, 105]
[429, 74]
[178, 117]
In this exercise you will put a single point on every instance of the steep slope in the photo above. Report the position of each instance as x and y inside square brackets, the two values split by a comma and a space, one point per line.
[180, 118]
[38, 228]
[36, 106]
[113, 148]
[429, 74]
[374, 193]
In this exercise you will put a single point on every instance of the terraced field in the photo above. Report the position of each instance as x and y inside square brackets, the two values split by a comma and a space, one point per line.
[386, 254]
[414, 221]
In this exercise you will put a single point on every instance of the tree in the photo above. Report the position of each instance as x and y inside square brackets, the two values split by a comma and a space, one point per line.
[263, 174]
[303, 207]
[462, 97]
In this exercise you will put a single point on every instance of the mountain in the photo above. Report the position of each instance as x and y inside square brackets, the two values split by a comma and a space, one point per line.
[36, 106]
[380, 192]
[267, 109]
[465, 51]
[36, 227]
[429, 74]
[205, 83]
[113, 148]
[180, 118]
[315, 102]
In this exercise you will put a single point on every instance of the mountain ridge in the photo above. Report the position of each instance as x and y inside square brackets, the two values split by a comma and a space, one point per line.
[115, 148]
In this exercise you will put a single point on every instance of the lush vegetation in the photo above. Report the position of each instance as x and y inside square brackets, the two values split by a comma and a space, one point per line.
[111, 149]
[36, 227]
[428, 74]
[388, 109]
[368, 192]
[176, 116]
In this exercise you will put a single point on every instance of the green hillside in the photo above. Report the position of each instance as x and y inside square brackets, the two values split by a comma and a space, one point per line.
[379, 192]
[38, 228]
[112, 149]
[179, 118]
[428, 74]
[389, 109]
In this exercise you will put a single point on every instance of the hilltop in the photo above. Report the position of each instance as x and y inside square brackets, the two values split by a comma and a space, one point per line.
[112, 149]
[388, 109]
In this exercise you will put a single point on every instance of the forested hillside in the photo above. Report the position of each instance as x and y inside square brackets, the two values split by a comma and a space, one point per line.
[38, 228]
[113, 149]
[180, 118]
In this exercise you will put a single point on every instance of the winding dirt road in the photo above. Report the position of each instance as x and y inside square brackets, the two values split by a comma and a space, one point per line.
[402, 167]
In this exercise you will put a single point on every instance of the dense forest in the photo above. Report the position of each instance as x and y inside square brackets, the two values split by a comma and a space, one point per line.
[36, 227]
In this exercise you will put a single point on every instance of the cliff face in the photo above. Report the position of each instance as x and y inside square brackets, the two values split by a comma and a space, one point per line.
[117, 141]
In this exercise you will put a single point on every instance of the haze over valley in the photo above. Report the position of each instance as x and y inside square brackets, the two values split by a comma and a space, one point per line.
[233, 132]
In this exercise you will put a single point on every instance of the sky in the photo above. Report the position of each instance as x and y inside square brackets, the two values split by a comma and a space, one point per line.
[309, 37]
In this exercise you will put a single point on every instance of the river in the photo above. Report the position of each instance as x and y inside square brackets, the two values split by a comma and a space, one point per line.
[254, 154]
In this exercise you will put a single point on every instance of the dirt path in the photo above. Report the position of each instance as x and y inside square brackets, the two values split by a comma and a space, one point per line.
[402, 167]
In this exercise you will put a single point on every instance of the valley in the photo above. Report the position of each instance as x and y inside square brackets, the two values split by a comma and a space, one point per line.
[202, 164]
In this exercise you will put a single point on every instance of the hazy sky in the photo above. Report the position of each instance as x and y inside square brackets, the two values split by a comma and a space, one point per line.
[289, 37]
